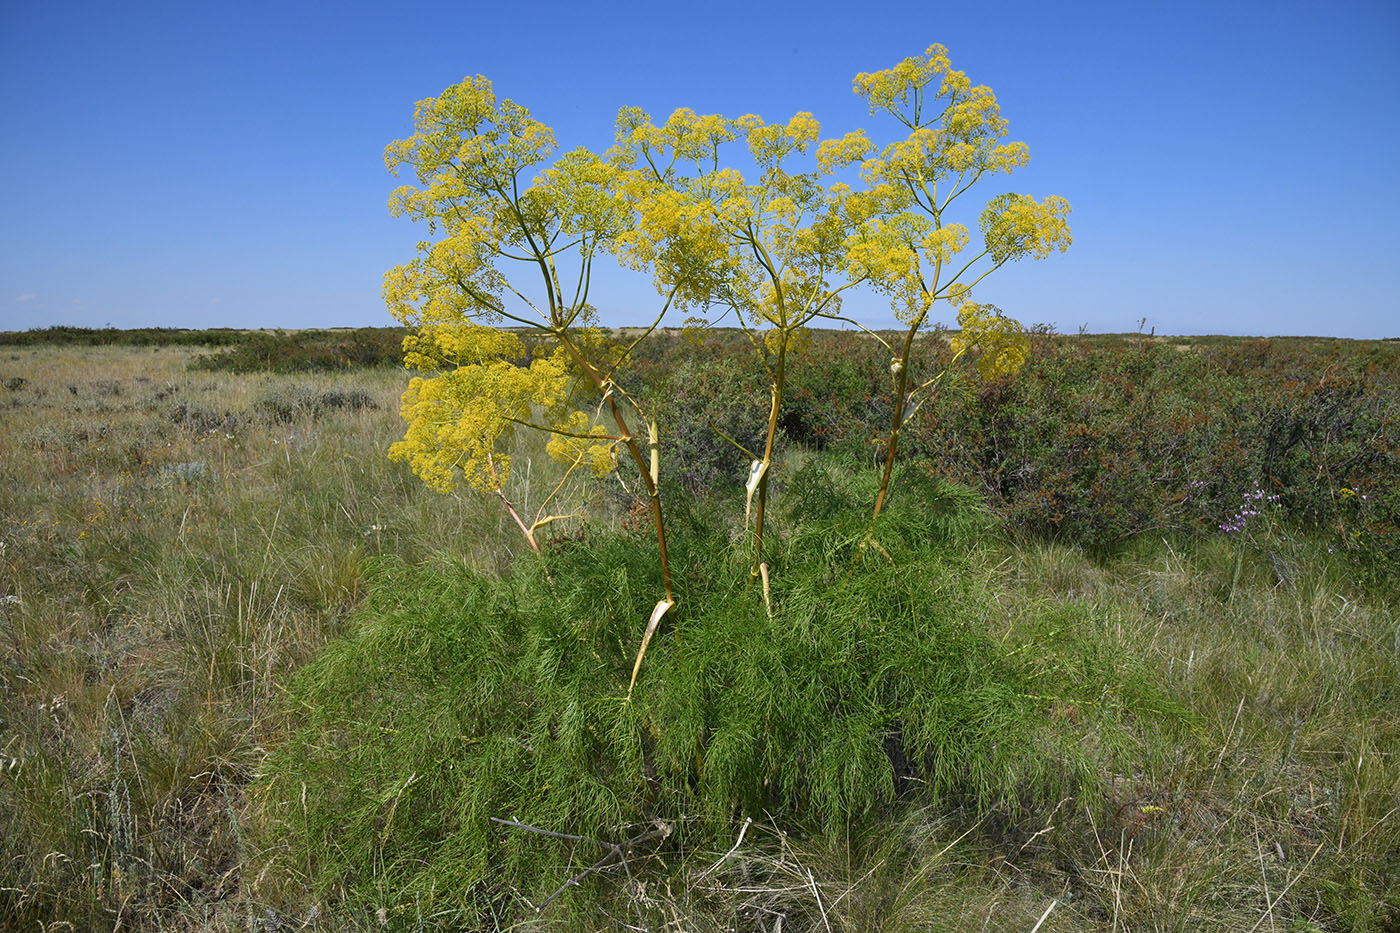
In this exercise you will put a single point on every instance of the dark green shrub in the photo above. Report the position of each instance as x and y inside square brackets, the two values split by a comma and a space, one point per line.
[309, 351]
[838, 393]
[693, 398]
[1087, 447]
[1093, 445]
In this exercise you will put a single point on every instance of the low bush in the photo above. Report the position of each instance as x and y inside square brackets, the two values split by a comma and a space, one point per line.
[1094, 445]
[838, 393]
[285, 404]
[694, 401]
[308, 351]
[64, 335]
[201, 420]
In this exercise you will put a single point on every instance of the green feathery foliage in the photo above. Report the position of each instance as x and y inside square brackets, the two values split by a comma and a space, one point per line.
[457, 698]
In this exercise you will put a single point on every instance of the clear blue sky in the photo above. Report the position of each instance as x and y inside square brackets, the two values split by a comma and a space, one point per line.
[1232, 166]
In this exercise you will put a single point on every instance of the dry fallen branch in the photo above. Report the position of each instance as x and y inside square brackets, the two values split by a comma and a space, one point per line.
[616, 851]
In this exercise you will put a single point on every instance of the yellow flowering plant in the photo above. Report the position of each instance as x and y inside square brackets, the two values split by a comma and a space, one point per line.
[518, 230]
[768, 249]
[470, 400]
[732, 216]
[913, 250]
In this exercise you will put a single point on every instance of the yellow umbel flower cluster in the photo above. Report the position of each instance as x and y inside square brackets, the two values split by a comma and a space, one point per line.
[1001, 342]
[458, 419]
[1016, 225]
[956, 134]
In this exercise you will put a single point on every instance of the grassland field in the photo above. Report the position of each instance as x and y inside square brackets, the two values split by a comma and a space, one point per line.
[179, 545]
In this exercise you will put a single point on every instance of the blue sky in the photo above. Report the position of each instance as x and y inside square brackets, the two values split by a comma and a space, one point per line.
[1232, 166]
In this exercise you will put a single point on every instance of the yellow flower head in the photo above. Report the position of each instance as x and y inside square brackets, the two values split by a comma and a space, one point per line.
[1016, 225]
[1001, 342]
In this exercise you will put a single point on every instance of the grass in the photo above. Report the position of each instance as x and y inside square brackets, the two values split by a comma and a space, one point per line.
[1198, 748]
[172, 547]
[1290, 780]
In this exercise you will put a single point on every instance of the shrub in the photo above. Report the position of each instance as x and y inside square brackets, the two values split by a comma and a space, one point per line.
[308, 351]
[838, 394]
[285, 404]
[1092, 445]
[201, 420]
[691, 400]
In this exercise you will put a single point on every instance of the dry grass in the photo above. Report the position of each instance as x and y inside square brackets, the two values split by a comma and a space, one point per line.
[171, 544]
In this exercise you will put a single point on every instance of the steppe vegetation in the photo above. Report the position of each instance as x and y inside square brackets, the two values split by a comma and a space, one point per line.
[982, 628]
[257, 676]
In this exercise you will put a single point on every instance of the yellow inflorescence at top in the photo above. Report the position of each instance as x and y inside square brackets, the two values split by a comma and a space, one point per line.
[775, 247]
[892, 88]
[909, 248]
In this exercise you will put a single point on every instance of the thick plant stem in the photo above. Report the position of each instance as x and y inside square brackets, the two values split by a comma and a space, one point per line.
[901, 387]
[760, 510]
[647, 466]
